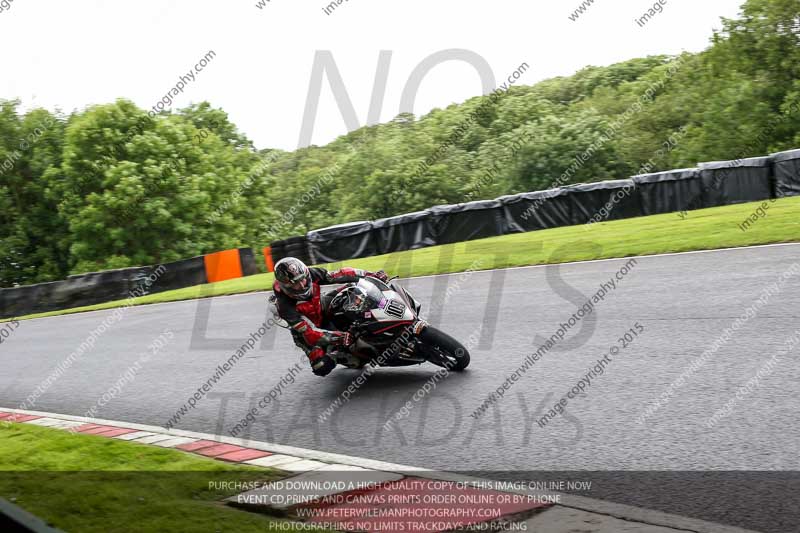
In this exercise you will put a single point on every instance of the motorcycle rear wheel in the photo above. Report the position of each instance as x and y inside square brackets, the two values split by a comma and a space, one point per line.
[443, 350]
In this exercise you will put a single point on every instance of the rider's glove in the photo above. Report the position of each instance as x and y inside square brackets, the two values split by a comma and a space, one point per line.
[348, 339]
[342, 338]
[380, 274]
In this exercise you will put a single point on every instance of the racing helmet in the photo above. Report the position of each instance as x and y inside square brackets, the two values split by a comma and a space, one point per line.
[294, 278]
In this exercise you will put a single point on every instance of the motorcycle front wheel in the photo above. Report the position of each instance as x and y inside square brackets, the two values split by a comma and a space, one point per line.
[442, 350]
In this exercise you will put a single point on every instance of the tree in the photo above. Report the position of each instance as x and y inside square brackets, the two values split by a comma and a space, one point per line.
[31, 232]
[138, 190]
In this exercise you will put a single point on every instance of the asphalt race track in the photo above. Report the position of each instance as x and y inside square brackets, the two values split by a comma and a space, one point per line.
[684, 302]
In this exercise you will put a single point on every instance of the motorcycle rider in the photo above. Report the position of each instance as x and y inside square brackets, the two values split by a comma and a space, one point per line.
[297, 298]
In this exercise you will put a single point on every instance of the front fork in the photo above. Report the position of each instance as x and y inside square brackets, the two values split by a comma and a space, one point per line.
[419, 325]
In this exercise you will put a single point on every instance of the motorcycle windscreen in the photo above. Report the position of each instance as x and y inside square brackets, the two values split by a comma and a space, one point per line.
[371, 295]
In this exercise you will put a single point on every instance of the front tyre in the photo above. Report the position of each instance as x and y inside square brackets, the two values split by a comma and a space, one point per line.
[442, 350]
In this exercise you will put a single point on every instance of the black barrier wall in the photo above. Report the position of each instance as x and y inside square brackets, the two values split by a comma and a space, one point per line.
[278, 250]
[786, 167]
[735, 182]
[78, 291]
[297, 247]
[403, 232]
[344, 241]
[713, 184]
[180, 274]
[532, 211]
[604, 200]
[466, 222]
[670, 191]
[247, 259]
[111, 285]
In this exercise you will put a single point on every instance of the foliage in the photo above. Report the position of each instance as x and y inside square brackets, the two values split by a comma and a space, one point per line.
[113, 186]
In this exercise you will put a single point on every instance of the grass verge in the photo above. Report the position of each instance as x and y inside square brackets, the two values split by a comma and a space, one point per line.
[704, 229]
[88, 483]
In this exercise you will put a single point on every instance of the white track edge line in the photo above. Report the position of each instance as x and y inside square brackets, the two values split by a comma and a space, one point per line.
[622, 511]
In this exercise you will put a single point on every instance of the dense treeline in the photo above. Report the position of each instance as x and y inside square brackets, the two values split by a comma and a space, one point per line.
[112, 186]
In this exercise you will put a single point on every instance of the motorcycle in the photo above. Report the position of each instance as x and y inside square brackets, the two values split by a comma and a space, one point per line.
[384, 321]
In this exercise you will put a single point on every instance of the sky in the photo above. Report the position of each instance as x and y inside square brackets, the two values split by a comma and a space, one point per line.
[70, 55]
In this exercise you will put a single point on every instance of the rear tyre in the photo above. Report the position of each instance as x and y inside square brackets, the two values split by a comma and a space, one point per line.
[443, 350]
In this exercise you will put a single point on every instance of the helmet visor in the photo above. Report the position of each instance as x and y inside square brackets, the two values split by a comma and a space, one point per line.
[299, 285]
[357, 300]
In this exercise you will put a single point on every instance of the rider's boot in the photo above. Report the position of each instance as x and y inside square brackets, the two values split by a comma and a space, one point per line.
[321, 362]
